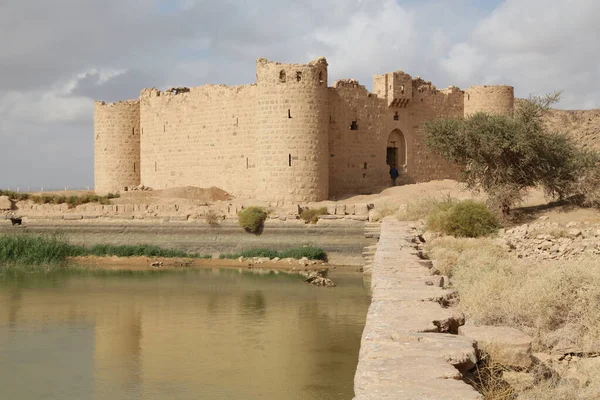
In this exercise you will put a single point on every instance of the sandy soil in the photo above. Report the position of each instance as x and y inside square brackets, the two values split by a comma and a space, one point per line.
[181, 195]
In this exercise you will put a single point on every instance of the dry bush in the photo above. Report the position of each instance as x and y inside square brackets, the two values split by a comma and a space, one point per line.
[557, 302]
[311, 215]
[211, 218]
[486, 378]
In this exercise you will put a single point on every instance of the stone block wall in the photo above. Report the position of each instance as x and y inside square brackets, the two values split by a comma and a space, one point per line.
[203, 137]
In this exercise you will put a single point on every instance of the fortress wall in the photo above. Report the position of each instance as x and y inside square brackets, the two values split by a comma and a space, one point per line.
[491, 99]
[429, 103]
[116, 145]
[292, 131]
[357, 159]
[204, 137]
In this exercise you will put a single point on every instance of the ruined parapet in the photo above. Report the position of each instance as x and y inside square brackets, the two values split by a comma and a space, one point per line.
[292, 131]
[490, 99]
[116, 145]
[396, 87]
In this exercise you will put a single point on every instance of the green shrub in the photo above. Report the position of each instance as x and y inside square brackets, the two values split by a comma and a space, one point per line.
[464, 219]
[311, 215]
[252, 219]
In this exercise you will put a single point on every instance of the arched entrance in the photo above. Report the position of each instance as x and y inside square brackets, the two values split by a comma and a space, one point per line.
[396, 149]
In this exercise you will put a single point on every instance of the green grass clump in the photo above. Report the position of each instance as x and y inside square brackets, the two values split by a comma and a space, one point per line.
[311, 215]
[467, 218]
[310, 252]
[35, 249]
[252, 219]
[141, 250]
[27, 249]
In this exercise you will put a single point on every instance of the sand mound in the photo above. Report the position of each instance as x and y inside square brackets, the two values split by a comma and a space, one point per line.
[180, 195]
[194, 193]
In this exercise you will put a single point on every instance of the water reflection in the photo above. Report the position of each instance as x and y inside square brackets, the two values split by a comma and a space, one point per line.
[204, 335]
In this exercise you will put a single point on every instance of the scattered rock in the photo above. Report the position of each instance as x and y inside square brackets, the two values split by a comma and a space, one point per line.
[552, 241]
[157, 264]
[140, 188]
[506, 346]
[316, 278]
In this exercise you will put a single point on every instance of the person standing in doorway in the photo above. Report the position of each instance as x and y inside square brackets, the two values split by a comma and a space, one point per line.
[394, 174]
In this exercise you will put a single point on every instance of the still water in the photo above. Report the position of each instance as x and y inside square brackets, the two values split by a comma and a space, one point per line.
[208, 334]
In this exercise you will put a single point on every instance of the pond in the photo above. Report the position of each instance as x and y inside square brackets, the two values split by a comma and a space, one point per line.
[204, 334]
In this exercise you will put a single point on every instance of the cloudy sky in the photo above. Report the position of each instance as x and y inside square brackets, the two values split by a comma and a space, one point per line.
[57, 56]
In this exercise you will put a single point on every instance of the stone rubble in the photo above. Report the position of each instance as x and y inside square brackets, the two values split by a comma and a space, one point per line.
[552, 241]
[318, 279]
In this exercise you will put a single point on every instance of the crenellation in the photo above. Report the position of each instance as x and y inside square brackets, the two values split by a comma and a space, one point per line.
[288, 137]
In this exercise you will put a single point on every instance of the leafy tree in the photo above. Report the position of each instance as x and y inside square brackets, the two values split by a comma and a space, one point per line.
[505, 155]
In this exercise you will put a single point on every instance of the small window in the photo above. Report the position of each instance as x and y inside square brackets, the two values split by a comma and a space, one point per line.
[402, 89]
[396, 116]
[289, 113]
[298, 76]
[247, 163]
[133, 167]
[133, 131]
[282, 76]
[321, 78]
[365, 166]
[354, 126]
[289, 160]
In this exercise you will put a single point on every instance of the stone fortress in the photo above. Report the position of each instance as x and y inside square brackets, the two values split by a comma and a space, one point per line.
[289, 137]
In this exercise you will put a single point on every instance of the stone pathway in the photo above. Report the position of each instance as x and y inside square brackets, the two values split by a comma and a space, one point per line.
[409, 347]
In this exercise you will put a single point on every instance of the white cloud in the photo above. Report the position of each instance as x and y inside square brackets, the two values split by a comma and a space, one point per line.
[537, 46]
[77, 51]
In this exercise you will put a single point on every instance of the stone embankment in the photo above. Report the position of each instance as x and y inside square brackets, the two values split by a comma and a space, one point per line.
[171, 212]
[410, 348]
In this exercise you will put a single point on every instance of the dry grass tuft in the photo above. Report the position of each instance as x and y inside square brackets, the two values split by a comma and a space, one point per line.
[557, 302]
[422, 207]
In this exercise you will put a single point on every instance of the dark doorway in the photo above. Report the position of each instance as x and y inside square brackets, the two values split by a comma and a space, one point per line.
[392, 156]
[396, 149]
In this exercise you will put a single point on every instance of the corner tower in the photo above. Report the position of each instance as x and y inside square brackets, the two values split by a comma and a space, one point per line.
[490, 99]
[116, 145]
[292, 131]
